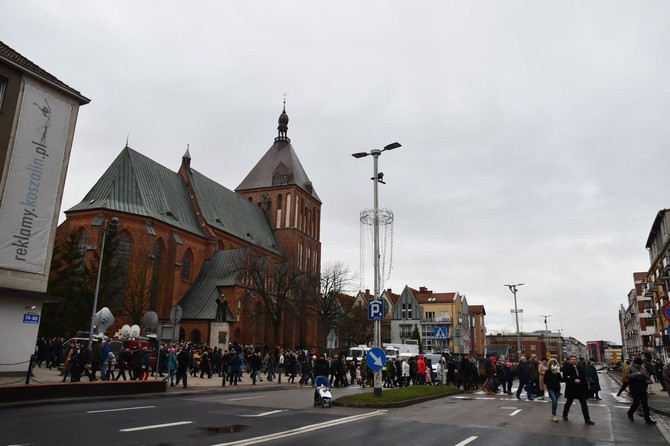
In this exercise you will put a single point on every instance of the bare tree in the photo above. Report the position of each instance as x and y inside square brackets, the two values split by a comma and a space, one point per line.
[323, 299]
[276, 283]
[355, 327]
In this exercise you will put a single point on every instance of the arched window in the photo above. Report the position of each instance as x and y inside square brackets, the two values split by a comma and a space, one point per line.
[83, 242]
[195, 336]
[121, 264]
[155, 257]
[186, 265]
[288, 211]
[279, 210]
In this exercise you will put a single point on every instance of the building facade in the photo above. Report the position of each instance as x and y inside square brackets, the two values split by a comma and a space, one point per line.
[190, 239]
[38, 114]
[637, 329]
[443, 320]
[658, 284]
[541, 343]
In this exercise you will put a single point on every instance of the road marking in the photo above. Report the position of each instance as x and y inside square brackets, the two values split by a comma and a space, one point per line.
[515, 412]
[466, 441]
[155, 426]
[121, 409]
[247, 398]
[302, 430]
[264, 413]
[622, 407]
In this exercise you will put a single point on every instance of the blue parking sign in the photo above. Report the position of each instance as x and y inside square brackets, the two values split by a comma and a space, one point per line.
[376, 309]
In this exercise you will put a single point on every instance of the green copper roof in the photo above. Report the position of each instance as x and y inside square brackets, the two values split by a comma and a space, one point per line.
[137, 185]
[200, 301]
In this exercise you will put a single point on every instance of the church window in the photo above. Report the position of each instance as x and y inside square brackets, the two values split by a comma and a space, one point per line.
[279, 209]
[186, 265]
[288, 211]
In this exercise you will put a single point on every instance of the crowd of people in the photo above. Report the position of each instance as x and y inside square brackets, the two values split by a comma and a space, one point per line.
[176, 361]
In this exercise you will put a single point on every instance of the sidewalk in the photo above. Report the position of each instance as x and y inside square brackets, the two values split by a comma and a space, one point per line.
[42, 375]
[659, 401]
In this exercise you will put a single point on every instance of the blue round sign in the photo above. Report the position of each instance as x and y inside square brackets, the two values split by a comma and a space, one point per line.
[375, 359]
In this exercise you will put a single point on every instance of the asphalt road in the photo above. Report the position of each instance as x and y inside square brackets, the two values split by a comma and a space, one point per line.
[285, 416]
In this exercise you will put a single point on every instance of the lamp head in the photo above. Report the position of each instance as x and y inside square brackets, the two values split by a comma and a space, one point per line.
[360, 154]
[393, 145]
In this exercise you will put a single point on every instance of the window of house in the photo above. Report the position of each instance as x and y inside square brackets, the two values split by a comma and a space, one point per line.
[405, 330]
[3, 88]
[430, 315]
[533, 347]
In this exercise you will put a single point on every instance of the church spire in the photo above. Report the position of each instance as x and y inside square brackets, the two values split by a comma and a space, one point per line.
[282, 128]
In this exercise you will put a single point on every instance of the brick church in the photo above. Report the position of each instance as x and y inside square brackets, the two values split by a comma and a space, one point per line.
[188, 235]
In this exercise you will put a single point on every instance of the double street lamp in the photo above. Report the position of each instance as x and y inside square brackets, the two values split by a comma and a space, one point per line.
[377, 177]
[110, 226]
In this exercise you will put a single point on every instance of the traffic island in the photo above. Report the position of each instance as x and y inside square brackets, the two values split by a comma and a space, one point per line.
[397, 397]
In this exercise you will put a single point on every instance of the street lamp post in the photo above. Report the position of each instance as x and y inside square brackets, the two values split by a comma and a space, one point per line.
[111, 226]
[376, 178]
[512, 288]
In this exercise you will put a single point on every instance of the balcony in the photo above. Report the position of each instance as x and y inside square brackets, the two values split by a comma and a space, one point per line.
[446, 320]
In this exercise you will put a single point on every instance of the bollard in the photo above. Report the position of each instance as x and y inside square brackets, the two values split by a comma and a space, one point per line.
[30, 369]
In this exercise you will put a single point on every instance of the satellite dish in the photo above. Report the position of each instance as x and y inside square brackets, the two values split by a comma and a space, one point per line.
[103, 320]
[125, 331]
[134, 331]
[150, 321]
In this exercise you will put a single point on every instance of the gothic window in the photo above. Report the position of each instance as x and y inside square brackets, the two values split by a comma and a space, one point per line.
[279, 210]
[121, 262]
[288, 211]
[83, 242]
[186, 265]
[155, 257]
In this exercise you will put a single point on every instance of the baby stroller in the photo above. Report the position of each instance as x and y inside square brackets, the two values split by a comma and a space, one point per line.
[322, 395]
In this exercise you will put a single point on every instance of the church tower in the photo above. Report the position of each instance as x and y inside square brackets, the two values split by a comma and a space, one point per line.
[280, 186]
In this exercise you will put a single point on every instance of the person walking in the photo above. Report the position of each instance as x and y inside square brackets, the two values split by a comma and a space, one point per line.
[639, 379]
[182, 366]
[507, 378]
[523, 369]
[534, 375]
[172, 365]
[593, 380]
[624, 377]
[574, 376]
[551, 380]
[665, 374]
[542, 369]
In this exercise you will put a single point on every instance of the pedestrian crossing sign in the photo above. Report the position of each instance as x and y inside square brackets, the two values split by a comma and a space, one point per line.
[440, 333]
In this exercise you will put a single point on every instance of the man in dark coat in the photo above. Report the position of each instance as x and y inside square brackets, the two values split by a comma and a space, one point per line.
[523, 369]
[576, 387]
[638, 379]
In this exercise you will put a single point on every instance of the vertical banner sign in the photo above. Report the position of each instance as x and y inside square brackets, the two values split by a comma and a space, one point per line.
[29, 199]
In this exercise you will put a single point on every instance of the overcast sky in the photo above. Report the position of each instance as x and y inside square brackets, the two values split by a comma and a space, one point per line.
[534, 134]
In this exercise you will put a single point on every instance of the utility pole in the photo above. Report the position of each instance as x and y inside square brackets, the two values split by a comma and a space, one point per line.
[546, 334]
[512, 288]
